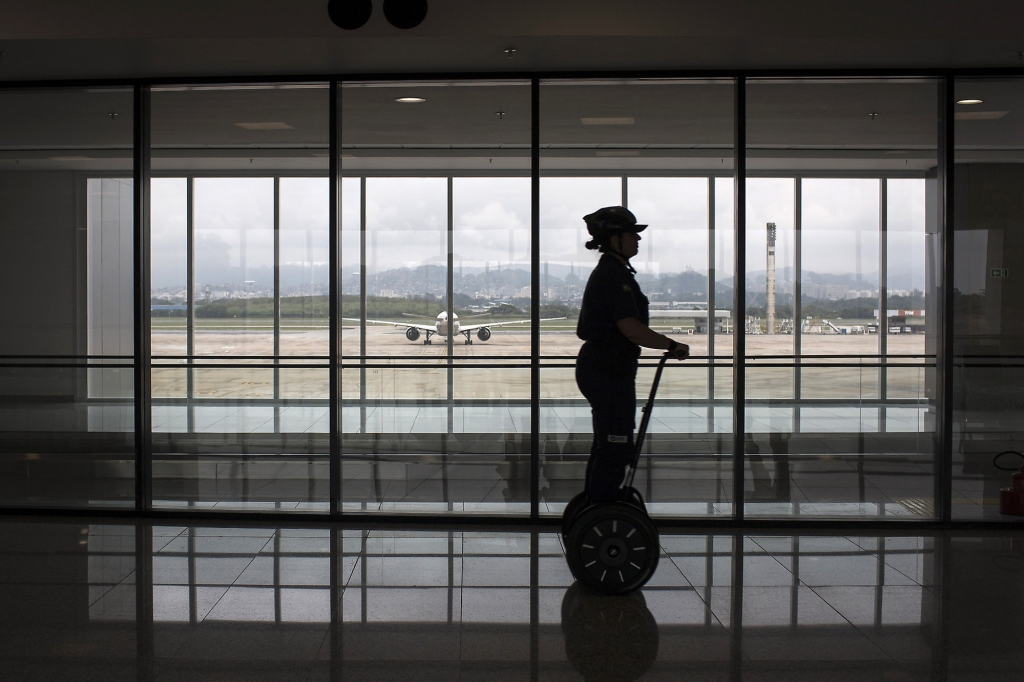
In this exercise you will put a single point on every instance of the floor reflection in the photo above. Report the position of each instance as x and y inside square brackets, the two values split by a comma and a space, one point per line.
[611, 639]
[113, 601]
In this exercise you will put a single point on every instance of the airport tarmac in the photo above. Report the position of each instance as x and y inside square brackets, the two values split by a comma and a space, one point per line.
[506, 375]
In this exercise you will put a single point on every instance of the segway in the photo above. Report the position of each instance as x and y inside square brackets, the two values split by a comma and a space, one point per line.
[613, 547]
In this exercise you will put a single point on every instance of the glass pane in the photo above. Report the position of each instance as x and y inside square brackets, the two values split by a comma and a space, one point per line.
[66, 351]
[407, 263]
[838, 175]
[240, 381]
[988, 368]
[839, 288]
[169, 237]
[769, 288]
[565, 262]
[304, 266]
[664, 149]
[353, 257]
[437, 297]
[721, 335]
[234, 266]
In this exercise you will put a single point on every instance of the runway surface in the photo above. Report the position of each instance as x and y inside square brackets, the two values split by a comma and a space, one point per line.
[303, 370]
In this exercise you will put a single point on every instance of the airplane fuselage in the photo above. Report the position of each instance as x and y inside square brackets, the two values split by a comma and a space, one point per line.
[442, 326]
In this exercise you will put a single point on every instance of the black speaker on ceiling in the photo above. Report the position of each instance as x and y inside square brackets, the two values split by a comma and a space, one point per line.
[350, 14]
[405, 13]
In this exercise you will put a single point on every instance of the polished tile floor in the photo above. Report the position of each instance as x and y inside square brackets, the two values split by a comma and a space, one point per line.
[120, 601]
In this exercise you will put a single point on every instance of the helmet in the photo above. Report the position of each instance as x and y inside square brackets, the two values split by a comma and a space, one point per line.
[605, 222]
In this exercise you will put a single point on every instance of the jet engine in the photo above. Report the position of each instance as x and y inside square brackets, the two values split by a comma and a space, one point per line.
[483, 333]
[412, 333]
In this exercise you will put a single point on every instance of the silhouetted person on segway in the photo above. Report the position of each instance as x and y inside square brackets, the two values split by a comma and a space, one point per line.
[611, 544]
[613, 325]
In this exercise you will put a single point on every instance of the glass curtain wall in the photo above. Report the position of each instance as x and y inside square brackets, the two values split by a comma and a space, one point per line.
[663, 149]
[439, 277]
[988, 353]
[239, 296]
[67, 389]
[842, 286]
[436, 297]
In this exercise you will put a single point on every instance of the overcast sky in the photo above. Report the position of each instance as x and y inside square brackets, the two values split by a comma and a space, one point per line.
[407, 221]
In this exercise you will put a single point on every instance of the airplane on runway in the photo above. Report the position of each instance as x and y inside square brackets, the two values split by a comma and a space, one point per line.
[442, 328]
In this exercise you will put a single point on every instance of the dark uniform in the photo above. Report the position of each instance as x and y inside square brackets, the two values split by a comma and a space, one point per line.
[606, 372]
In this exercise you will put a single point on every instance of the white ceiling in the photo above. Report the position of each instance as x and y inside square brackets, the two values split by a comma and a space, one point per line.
[61, 39]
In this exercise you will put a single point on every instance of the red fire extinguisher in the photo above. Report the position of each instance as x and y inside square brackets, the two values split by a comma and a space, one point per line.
[1011, 500]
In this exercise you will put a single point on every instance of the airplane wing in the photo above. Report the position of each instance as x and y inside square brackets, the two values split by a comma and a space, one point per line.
[428, 327]
[428, 317]
[471, 327]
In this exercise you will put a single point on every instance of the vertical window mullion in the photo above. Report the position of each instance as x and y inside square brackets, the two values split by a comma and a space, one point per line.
[883, 297]
[277, 304]
[190, 309]
[142, 280]
[450, 308]
[944, 359]
[362, 304]
[535, 299]
[798, 274]
[334, 352]
[739, 342]
[450, 389]
[711, 305]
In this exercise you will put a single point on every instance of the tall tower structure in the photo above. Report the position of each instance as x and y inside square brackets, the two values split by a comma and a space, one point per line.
[770, 281]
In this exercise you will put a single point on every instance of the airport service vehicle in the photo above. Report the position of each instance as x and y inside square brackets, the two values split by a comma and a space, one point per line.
[613, 548]
[442, 328]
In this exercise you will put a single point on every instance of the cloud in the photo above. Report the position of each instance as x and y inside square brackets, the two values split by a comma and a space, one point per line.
[492, 232]
[491, 216]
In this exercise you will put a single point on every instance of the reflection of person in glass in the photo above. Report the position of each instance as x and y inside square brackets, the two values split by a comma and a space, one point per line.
[613, 325]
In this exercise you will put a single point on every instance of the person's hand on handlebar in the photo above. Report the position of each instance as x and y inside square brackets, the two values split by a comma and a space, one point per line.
[642, 335]
[679, 351]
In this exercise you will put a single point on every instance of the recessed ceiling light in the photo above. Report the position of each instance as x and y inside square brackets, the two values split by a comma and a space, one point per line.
[410, 100]
[968, 101]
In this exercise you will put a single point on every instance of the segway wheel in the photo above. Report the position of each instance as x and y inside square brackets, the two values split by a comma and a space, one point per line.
[613, 548]
[574, 507]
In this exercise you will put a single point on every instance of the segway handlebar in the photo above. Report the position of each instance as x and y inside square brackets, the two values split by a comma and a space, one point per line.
[646, 419]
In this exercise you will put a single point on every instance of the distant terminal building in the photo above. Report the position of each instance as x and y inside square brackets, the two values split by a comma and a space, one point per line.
[694, 311]
[904, 321]
[836, 292]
